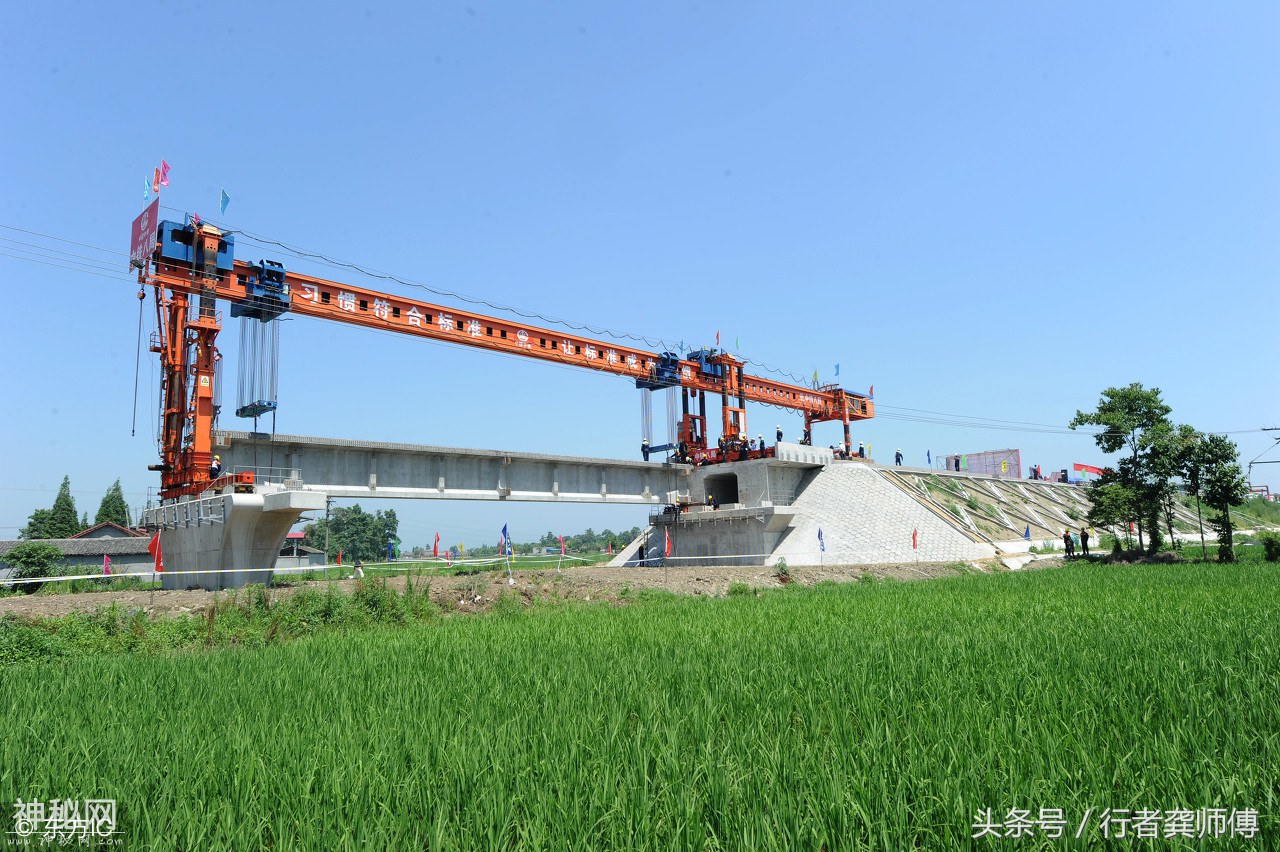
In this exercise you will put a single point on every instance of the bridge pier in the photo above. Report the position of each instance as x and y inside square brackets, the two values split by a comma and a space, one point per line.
[237, 535]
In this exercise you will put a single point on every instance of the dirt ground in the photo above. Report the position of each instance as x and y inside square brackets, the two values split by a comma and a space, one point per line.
[477, 592]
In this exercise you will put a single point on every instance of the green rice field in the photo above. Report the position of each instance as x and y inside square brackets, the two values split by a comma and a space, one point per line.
[873, 715]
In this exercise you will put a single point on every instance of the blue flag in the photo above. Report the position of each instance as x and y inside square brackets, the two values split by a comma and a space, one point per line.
[837, 371]
[146, 189]
[506, 541]
[1027, 534]
[226, 199]
[822, 545]
[928, 456]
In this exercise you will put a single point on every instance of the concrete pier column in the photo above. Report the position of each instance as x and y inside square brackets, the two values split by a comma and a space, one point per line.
[241, 535]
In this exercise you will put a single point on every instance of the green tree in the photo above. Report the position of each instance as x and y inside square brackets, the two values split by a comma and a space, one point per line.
[355, 533]
[39, 525]
[1224, 486]
[113, 508]
[1133, 419]
[32, 559]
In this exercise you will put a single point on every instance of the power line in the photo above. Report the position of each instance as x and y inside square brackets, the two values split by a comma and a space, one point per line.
[63, 240]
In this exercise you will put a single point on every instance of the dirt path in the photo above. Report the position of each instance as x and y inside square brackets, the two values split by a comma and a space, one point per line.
[477, 592]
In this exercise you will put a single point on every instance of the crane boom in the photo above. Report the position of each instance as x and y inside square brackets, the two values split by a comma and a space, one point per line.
[193, 266]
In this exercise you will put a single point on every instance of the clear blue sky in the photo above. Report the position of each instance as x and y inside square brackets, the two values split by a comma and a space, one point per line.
[991, 210]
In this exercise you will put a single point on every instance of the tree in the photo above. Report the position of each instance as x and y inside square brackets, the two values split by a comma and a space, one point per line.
[32, 559]
[1224, 486]
[65, 522]
[1133, 419]
[38, 525]
[113, 508]
[356, 533]
[1172, 451]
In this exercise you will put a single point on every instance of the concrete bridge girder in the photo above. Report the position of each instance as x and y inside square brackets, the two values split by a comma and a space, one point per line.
[410, 471]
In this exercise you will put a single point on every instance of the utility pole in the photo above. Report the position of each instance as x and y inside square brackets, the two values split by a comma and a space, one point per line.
[327, 501]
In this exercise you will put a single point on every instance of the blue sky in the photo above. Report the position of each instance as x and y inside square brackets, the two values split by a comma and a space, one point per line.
[988, 210]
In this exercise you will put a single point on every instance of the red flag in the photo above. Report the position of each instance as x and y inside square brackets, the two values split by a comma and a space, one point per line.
[448, 557]
[1131, 526]
[611, 548]
[915, 539]
[155, 181]
[872, 394]
[339, 557]
[154, 549]
[164, 173]
[106, 565]
[717, 339]
[667, 533]
[435, 548]
[562, 545]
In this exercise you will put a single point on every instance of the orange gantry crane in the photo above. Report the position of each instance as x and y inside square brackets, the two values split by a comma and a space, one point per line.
[192, 266]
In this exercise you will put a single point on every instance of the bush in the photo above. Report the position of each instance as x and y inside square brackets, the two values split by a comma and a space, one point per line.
[740, 590]
[32, 559]
[1270, 547]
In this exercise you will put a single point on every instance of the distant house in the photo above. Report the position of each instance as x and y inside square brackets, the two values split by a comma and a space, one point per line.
[107, 529]
[128, 553]
[295, 554]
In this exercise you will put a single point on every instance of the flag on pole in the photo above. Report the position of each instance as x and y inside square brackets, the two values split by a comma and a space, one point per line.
[610, 548]
[915, 539]
[226, 199]
[872, 393]
[667, 533]
[928, 457]
[339, 556]
[737, 343]
[822, 544]
[1027, 533]
[837, 369]
[462, 550]
[106, 565]
[448, 557]
[164, 173]
[435, 548]
[815, 377]
[155, 180]
[146, 189]
[154, 549]
[717, 339]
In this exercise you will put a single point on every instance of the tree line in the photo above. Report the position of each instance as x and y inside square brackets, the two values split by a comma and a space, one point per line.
[1160, 460]
[61, 520]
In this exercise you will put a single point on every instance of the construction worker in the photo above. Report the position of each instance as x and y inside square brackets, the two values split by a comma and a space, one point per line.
[644, 449]
[779, 428]
[897, 457]
[862, 450]
[760, 444]
[215, 469]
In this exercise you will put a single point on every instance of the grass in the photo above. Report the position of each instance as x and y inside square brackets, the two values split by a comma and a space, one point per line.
[870, 715]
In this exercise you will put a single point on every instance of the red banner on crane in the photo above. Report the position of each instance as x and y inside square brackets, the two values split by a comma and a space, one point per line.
[144, 234]
[1087, 468]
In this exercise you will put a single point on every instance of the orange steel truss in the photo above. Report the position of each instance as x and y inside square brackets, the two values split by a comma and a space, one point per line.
[189, 323]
